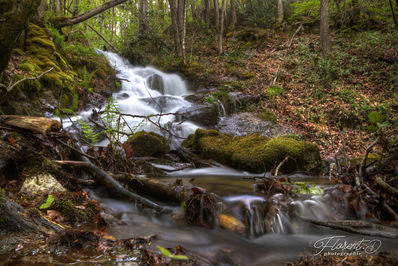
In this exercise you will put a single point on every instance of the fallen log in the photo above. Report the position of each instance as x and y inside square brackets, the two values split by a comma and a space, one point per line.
[32, 123]
[177, 193]
[115, 186]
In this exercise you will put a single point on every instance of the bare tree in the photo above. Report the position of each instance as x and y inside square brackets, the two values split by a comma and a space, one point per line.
[216, 14]
[207, 12]
[325, 41]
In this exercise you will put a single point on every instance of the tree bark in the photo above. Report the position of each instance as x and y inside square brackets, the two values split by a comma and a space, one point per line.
[216, 15]
[63, 22]
[221, 32]
[280, 11]
[393, 13]
[178, 11]
[207, 12]
[233, 14]
[14, 17]
[143, 26]
[325, 41]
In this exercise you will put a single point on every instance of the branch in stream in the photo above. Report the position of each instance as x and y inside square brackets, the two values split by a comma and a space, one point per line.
[351, 227]
[386, 187]
[111, 183]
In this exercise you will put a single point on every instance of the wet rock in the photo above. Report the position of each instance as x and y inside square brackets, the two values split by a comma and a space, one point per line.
[41, 182]
[155, 82]
[254, 152]
[204, 115]
[247, 123]
[148, 144]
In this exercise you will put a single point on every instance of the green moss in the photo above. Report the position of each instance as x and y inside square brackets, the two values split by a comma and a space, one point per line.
[17, 52]
[69, 210]
[254, 152]
[371, 158]
[43, 42]
[267, 115]
[30, 67]
[148, 144]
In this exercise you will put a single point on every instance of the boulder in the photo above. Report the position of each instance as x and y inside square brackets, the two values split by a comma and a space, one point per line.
[204, 115]
[148, 144]
[155, 82]
[41, 182]
[255, 153]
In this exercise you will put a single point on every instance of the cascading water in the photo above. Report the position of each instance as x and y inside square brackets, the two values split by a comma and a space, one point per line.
[148, 91]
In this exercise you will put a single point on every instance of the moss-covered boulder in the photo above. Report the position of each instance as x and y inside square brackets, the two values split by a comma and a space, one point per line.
[254, 152]
[148, 144]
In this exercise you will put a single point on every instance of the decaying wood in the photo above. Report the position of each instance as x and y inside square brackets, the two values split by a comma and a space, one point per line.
[188, 156]
[32, 123]
[386, 187]
[362, 168]
[355, 227]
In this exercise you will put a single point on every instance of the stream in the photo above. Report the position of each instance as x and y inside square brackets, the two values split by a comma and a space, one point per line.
[272, 240]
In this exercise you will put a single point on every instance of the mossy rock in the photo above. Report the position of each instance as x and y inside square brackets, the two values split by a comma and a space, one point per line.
[254, 152]
[148, 144]
[68, 209]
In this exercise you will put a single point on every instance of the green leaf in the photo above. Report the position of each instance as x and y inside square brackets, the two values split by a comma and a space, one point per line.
[180, 257]
[165, 251]
[374, 117]
[50, 200]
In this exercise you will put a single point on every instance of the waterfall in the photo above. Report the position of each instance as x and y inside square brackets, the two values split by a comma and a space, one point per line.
[148, 91]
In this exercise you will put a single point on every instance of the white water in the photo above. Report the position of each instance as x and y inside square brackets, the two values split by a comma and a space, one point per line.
[138, 98]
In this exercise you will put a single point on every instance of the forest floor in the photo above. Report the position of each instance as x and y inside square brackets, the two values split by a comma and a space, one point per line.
[326, 101]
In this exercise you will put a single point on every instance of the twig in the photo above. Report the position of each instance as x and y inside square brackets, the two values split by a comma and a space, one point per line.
[11, 86]
[74, 149]
[276, 76]
[362, 169]
[72, 163]
[294, 35]
[280, 165]
[102, 37]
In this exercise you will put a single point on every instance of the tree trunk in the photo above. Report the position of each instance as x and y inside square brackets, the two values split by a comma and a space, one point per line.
[233, 14]
[325, 42]
[280, 11]
[178, 11]
[221, 32]
[63, 22]
[75, 8]
[207, 12]
[393, 14]
[143, 26]
[14, 16]
[216, 15]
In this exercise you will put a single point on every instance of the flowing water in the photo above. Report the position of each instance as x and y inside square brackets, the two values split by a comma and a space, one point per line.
[273, 235]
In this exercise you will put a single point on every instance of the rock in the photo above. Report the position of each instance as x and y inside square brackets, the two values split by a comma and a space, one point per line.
[204, 115]
[41, 182]
[155, 82]
[231, 223]
[148, 144]
[247, 123]
[255, 153]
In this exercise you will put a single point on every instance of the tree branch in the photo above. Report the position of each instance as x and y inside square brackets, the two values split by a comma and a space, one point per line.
[63, 22]
[11, 86]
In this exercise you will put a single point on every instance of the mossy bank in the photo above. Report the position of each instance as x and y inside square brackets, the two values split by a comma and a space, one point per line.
[254, 152]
